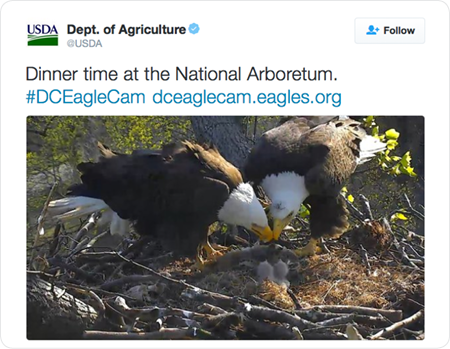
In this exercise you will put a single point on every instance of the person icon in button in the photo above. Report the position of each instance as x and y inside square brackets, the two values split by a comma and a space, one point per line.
[371, 30]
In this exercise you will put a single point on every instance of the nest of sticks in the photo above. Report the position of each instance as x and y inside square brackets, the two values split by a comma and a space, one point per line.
[368, 286]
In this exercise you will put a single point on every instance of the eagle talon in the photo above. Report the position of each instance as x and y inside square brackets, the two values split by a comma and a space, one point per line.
[218, 247]
[309, 250]
[322, 247]
[211, 255]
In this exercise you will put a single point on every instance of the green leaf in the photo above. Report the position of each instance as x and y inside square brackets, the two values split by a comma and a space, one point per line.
[391, 144]
[375, 131]
[368, 122]
[409, 171]
[399, 216]
[406, 159]
[395, 170]
[304, 212]
[392, 134]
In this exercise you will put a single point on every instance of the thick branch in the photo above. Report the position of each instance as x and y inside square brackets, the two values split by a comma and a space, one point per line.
[398, 325]
[52, 313]
[393, 315]
[261, 313]
[164, 333]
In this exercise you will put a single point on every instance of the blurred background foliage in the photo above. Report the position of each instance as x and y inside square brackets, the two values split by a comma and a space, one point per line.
[56, 144]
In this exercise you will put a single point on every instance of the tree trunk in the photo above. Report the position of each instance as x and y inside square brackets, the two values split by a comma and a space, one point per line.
[52, 313]
[227, 133]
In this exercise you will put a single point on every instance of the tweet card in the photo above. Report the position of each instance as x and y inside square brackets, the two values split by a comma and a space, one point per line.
[219, 170]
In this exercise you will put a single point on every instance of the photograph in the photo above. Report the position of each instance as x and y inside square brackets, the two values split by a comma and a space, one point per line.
[225, 227]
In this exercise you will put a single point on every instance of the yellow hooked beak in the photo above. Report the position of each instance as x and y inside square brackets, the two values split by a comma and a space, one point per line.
[264, 233]
[278, 226]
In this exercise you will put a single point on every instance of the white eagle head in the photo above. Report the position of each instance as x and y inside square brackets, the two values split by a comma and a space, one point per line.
[243, 208]
[287, 191]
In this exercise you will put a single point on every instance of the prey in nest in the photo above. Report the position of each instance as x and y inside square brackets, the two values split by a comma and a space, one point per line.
[373, 235]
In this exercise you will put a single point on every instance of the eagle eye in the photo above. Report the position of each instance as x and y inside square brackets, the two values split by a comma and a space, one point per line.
[279, 206]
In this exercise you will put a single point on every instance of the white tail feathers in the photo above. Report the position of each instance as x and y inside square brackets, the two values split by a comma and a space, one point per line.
[74, 207]
[78, 206]
[119, 226]
[369, 147]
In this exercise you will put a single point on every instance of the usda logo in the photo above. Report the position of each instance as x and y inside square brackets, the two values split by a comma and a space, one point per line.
[42, 35]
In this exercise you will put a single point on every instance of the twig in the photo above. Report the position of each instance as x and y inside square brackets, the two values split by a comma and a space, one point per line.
[40, 221]
[264, 330]
[218, 299]
[259, 301]
[414, 333]
[366, 206]
[184, 313]
[416, 213]
[98, 257]
[261, 313]
[398, 325]
[405, 259]
[377, 321]
[82, 245]
[340, 319]
[393, 315]
[417, 262]
[98, 290]
[100, 305]
[158, 275]
[55, 242]
[412, 250]
[294, 298]
[315, 316]
[210, 309]
[176, 321]
[329, 290]
[116, 271]
[75, 245]
[164, 333]
[353, 210]
[153, 260]
[41, 273]
[223, 321]
[191, 291]
[323, 333]
[411, 235]
[298, 335]
[130, 279]
[60, 263]
[144, 314]
[352, 333]
[365, 259]
[41, 218]
[336, 321]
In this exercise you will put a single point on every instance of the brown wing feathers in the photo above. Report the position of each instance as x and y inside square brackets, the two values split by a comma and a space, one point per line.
[171, 193]
[218, 167]
[323, 149]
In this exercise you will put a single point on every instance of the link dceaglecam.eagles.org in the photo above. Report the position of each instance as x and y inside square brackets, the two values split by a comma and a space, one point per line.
[281, 99]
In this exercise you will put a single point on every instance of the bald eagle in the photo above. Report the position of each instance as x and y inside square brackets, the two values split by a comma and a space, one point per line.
[175, 194]
[300, 161]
